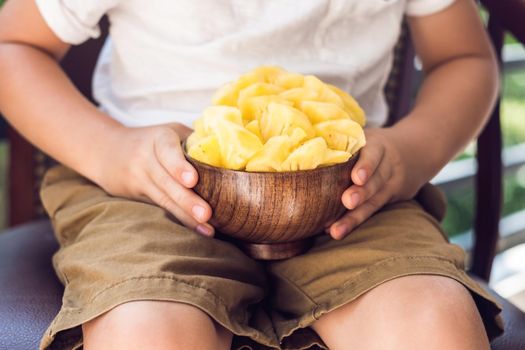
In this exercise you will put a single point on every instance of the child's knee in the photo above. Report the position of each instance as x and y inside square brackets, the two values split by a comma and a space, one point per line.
[430, 312]
[434, 300]
[154, 325]
[420, 301]
[441, 311]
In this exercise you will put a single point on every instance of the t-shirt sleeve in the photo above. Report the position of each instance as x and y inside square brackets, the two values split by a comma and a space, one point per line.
[74, 21]
[426, 7]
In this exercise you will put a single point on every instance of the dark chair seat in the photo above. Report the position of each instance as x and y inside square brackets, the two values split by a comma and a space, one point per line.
[30, 293]
[514, 318]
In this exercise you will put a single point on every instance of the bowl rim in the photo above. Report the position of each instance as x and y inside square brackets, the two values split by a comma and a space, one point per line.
[353, 158]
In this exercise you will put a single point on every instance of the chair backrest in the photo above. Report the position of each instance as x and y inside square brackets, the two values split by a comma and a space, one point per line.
[28, 164]
[504, 15]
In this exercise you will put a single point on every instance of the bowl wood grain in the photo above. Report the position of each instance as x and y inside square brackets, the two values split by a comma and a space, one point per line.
[268, 208]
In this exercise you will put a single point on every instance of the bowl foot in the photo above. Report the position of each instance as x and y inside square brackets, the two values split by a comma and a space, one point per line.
[276, 251]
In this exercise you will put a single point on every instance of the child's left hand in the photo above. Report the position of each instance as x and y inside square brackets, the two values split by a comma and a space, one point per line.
[460, 87]
[381, 175]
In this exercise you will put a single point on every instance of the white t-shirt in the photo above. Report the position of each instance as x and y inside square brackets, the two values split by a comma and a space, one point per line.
[165, 58]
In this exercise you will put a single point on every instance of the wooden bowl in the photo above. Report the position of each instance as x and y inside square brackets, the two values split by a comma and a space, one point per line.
[272, 214]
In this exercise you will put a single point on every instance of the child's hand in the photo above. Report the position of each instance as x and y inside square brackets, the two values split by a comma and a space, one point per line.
[148, 164]
[381, 175]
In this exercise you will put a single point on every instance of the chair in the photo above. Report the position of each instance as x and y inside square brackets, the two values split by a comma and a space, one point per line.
[30, 294]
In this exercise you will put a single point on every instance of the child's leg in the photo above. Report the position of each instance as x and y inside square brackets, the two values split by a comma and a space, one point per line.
[412, 312]
[155, 325]
[131, 273]
[356, 292]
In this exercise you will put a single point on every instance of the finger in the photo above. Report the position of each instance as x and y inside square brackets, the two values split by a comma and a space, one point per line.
[356, 217]
[168, 151]
[328, 225]
[164, 201]
[185, 198]
[355, 195]
[370, 157]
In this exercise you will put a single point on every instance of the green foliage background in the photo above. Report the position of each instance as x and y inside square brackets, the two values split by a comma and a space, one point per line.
[461, 203]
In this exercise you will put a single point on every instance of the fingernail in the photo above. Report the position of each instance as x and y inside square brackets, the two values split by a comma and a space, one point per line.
[339, 231]
[361, 174]
[204, 230]
[354, 199]
[198, 212]
[187, 177]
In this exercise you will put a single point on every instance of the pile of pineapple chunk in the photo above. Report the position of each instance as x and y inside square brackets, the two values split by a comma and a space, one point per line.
[273, 120]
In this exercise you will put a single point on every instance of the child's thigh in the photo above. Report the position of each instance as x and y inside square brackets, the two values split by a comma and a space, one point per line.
[114, 250]
[400, 240]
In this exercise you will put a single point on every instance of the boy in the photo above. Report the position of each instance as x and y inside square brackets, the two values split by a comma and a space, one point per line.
[138, 275]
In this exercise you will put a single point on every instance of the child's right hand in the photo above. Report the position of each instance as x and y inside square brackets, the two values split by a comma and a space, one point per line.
[139, 163]
[148, 164]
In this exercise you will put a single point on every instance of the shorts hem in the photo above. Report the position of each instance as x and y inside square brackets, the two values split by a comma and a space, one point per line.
[164, 288]
[384, 271]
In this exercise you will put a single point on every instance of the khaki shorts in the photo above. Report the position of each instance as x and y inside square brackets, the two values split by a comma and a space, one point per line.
[114, 250]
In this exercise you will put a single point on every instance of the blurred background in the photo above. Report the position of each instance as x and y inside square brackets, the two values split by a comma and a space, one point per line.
[457, 180]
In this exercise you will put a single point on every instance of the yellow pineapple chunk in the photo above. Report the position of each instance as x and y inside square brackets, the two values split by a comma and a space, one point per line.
[322, 111]
[289, 80]
[297, 135]
[237, 145]
[297, 95]
[274, 152]
[228, 94]
[198, 126]
[325, 94]
[312, 82]
[205, 150]
[212, 115]
[273, 120]
[270, 73]
[278, 76]
[253, 107]
[193, 139]
[258, 89]
[307, 156]
[341, 134]
[281, 119]
[351, 106]
[335, 157]
[253, 126]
